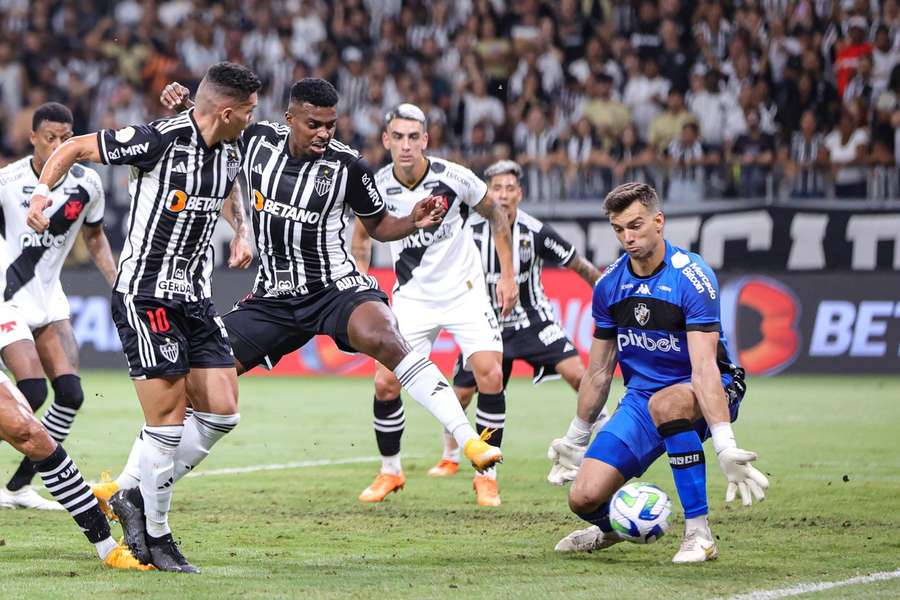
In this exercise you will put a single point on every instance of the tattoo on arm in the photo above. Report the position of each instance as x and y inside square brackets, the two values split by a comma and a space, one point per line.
[499, 228]
[585, 270]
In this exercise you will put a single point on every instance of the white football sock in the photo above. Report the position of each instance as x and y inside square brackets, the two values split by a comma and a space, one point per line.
[391, 464]
[492, 473]
[427, 386]
[157, 469]
[201, 431]
[130, 477]
[451, 448]
[104, 547]
[701, 523]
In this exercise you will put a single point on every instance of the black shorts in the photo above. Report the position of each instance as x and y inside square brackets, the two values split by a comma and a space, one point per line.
[542, 345]
[262, 329]
[168, 338]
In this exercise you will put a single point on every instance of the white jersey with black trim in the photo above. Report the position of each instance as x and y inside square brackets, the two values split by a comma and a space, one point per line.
[533, 242]
[177, 187]
[300, 210]
[31, 262]
[439, 262]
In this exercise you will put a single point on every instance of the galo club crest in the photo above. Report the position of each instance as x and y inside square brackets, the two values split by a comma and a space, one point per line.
[324, 181]
[642, 314]
[169, 351]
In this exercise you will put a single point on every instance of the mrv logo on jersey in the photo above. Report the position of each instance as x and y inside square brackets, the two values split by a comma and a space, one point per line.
[42, 240]
[645, 342]
[134, 150]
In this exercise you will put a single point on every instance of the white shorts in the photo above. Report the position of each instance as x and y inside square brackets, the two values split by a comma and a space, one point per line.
[12, 325]
[38, 312]
[469, 319]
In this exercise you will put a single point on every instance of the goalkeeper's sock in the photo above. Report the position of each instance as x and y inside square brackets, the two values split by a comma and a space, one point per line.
[688, 465]
[599, 517]
[427, 386]
[388, 422]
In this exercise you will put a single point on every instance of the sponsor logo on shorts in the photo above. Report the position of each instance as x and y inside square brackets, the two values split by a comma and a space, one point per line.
[361, 282]
[551, 333]
[169, 351]
[7, 327]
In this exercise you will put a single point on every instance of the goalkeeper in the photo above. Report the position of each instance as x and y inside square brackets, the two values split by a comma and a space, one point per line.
[656, 311]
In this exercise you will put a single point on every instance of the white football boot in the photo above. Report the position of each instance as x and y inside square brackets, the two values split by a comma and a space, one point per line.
[26, 498]
[698, 545]
[587, 540]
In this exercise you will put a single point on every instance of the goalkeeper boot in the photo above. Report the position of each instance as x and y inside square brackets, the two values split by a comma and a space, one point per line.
[482, 455]
[167, 557]
[445, 468]
[128, 505]
[587, 540]
[121, 558]
[486, 492]
[698, 545]
[384, 484]
[103, 491]
[26, 498]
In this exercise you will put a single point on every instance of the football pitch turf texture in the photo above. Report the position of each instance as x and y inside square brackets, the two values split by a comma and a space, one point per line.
[830, 445]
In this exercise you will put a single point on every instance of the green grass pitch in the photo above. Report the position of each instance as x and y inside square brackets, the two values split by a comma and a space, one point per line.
[831, 446]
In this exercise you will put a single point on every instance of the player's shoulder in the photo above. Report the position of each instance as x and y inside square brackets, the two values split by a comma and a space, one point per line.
[15, 170]
[529, 221]
[454, 174]
[173, 126]
[80, 171]
[611, 275]
[340, 151]
[384, 175]
[268, 130]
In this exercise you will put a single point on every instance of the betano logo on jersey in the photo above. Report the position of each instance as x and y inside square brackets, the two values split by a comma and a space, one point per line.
[179, 201]
[285, 211]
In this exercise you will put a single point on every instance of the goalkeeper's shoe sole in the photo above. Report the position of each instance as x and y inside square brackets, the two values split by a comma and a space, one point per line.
[482, 455]
[587, 540]
[384, 484]
[121, 558]
[697, 546]
[445, 468]
[129, 508]
[103, 491]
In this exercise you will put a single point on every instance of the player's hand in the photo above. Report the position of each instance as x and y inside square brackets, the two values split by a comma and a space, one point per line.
[175, 96]
[429, 211]
[507, 294]
[742, 476]
[36, 218]
[241, 255]
[566, 458]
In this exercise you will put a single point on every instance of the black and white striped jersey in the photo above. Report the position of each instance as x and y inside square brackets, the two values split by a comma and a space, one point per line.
[438, 262]
[533, 242]
[177, 187]
[300, 209]
[30, 263]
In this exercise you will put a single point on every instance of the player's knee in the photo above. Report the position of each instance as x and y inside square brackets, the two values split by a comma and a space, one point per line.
[668, 408]
[490, 378]
[67, 391]
[582, 501]
[34, 390]
[27, 435]
[387, 387]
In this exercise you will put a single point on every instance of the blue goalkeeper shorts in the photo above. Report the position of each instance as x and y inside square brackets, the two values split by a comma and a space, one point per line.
[629, 441]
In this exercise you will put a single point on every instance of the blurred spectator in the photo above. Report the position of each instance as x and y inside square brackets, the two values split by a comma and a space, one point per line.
[753, 154]
[686, 159]
[538, 152]
[804, 160]
[645, 95]
[478, 107]
[633, 159]
[587, 165]
[846, 146]
[675, 59]
[862, 85]
[609, 117]
[847, 59]
[714, 108]
[884, 57]
[667, 126]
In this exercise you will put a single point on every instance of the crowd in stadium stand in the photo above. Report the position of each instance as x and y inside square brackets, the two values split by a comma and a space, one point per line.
[766, 98]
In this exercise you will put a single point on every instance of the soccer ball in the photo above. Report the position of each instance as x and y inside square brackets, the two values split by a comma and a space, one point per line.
[639, 512]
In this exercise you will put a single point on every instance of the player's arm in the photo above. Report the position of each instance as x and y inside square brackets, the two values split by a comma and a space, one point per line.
[73, 150]
[567, 452]
[584, 269]
[98, 245]
[361, 247]
[706, 383]
[241, 254]
[507, 290]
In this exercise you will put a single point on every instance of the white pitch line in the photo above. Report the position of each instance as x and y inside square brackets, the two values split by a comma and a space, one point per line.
[300, 464]
[807, 588]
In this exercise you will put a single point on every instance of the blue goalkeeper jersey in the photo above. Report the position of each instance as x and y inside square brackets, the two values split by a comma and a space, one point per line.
[649, 318]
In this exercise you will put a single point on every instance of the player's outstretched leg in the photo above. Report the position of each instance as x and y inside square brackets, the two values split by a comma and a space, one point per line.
[388, 422]
[68, 398]
[60, 475]
[589, 497]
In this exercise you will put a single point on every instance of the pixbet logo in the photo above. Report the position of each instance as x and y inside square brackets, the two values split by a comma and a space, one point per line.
[42, 240]
[642, 340]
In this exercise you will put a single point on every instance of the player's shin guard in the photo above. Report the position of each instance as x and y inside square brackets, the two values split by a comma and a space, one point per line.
[64, 482]
[130, 477]
[157, 475]
[599, 517]
[388, 423]
[688, 465]
[201, 431]
[67, 399]
[428, 387]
